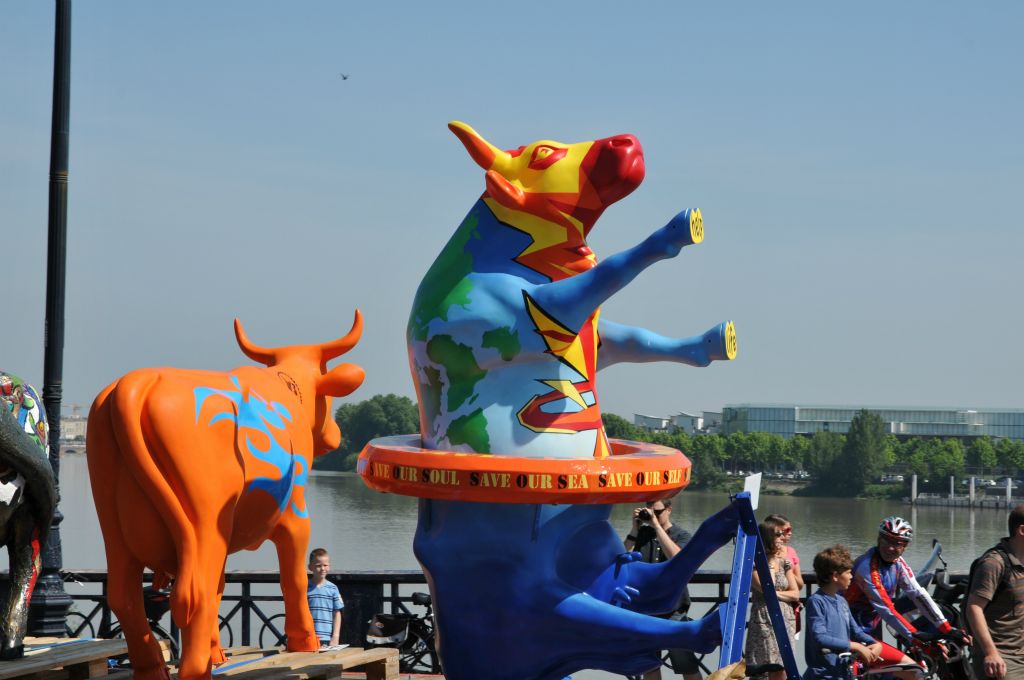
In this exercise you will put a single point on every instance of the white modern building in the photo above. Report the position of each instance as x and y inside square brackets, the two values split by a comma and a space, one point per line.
[791, 419]
[708, 422]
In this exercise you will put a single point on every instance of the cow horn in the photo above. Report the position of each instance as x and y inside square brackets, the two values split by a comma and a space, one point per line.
[486, 155]
[254, 352]
[336, 348]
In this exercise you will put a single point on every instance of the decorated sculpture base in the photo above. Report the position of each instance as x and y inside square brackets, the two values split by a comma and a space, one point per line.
[634, 472]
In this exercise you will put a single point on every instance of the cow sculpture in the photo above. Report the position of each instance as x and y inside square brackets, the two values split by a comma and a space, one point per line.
[28, 497]
[505, 338]
[190, 466]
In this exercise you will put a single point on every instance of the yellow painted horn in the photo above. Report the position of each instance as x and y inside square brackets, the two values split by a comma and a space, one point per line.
[486, 155]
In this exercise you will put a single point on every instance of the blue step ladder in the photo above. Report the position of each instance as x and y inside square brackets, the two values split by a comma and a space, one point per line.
[750, 555]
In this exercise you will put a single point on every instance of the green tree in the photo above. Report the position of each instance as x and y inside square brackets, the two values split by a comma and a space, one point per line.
[741, 448]
[982, 454]
[775, 451]
[947, 460]
[707, 453]
[915, 454]
[891, 444]
[823, 459]
[864, 453]
[382, 415]
[1010, 455]
[798, 448]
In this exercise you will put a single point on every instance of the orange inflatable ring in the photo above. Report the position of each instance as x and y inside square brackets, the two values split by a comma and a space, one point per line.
[635, 472]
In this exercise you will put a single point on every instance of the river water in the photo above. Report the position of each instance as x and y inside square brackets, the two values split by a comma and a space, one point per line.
[366, 530]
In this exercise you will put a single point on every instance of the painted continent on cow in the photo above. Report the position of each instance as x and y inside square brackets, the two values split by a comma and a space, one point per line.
[528, 578]
[188, 466]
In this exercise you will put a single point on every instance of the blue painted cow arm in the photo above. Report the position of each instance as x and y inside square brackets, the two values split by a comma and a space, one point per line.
[572, 300]
[621, 343]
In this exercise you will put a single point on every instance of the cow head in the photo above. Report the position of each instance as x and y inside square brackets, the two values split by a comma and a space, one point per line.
[555, 192]
[303, 369]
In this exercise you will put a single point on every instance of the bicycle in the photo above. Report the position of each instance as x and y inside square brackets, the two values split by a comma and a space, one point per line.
[935, 655]
[946, 656]
[411, 634]
[852, 669]
[156, 603]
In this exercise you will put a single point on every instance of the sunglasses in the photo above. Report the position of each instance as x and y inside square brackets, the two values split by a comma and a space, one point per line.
[657, 513]
[784, 532]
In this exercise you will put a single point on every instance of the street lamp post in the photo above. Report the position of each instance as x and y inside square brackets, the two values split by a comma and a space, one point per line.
[50, 602]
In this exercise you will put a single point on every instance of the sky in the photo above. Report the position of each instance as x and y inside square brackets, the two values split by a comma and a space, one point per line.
[854, 163]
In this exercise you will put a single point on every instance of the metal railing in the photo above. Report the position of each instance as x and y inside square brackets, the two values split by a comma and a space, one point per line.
[252, 608]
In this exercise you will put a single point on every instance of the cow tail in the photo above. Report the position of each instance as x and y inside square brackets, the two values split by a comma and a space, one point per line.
[128, 415]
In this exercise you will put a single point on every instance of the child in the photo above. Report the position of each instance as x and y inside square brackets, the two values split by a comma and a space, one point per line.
[830, 624]
[325, 602]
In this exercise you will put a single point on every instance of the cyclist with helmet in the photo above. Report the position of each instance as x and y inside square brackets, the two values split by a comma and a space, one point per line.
[881, 575]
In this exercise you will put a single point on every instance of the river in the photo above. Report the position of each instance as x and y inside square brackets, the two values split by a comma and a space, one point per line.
[366, 530]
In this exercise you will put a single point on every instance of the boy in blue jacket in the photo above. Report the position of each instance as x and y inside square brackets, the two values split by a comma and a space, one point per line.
[830, 624]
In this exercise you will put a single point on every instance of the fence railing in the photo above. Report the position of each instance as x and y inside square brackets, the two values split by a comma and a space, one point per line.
[252, 611]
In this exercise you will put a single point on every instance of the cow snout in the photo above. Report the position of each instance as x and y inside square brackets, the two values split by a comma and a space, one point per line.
[618, 167]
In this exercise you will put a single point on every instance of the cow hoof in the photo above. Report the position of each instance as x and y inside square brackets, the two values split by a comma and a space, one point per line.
[304, 644]
[721, 342]
[696, 226]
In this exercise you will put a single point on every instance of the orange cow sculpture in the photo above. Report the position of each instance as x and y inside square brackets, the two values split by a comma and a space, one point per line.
[189, 466]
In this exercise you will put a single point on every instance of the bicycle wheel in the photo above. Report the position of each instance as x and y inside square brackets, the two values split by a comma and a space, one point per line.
[76, 624]
[173, 652]
[272, 633]
[416, 656]
[162, 634]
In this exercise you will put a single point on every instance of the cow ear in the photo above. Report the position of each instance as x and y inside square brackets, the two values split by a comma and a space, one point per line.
[341, 380]
[504, 192]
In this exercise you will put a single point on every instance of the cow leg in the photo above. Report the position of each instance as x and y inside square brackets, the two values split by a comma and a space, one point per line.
[216, 651]
[124, 595]
[23, 546]
[291, 539]
[196, 656]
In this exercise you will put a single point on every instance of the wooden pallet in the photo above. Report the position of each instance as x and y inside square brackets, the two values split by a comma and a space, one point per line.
[56, 658]
[380, 663]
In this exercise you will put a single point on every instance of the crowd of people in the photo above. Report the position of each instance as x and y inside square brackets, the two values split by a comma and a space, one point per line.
[855, 597]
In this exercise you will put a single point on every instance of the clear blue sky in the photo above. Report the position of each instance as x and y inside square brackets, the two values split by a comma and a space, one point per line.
[859, 167]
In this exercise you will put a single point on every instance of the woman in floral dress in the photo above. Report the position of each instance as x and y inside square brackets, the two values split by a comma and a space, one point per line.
[761, 645]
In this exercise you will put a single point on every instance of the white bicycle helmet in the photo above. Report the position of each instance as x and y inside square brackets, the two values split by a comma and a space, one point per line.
[896, 528]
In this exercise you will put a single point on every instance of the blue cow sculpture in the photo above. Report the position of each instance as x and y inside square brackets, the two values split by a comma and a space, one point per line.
[505, 339]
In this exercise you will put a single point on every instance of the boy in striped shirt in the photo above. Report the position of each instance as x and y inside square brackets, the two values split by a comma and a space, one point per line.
[325, 602]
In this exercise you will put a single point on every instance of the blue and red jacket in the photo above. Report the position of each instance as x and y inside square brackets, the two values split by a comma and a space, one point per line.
[877, 584]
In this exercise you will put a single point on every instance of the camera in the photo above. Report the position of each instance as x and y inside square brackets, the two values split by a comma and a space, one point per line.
[644, 514]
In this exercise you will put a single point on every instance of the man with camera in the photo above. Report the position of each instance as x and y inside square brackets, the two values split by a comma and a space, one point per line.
[656, 539]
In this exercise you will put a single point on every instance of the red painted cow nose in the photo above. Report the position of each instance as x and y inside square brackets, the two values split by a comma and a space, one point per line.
[617, 167]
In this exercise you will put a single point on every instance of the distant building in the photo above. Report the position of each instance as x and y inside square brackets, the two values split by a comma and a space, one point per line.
[712, 423]
[687, 422]
[788, 420]
[707, 422]
[652, 423]
[72, 428]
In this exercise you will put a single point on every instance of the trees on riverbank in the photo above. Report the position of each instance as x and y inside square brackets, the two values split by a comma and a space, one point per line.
[839, 465]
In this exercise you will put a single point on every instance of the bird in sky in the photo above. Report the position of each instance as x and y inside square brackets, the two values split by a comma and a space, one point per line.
[343, 76]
